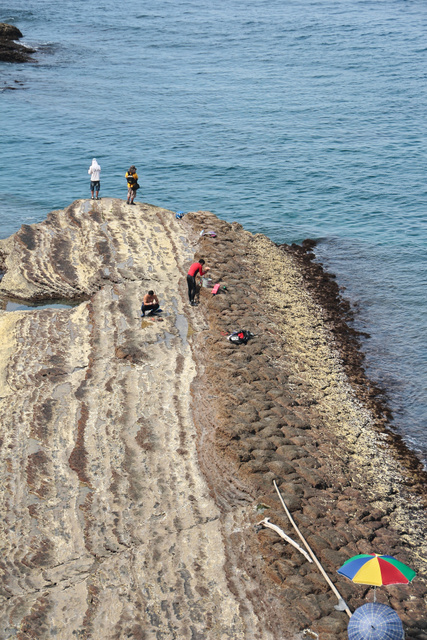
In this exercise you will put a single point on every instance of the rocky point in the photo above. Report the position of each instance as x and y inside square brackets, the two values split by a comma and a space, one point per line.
[138, 456]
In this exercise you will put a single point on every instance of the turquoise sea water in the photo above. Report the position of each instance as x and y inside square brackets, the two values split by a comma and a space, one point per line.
[298, 118]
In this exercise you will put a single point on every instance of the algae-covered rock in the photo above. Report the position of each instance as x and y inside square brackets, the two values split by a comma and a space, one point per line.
[11, 51]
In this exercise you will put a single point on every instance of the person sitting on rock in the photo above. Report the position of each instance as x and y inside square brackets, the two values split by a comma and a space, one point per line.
[150, 303]
[195, 269]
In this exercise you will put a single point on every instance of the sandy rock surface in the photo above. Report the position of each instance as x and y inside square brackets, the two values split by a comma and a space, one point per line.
[137, 455]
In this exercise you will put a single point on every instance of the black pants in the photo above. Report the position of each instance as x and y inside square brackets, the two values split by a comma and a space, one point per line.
[191, 281]
[149, 307]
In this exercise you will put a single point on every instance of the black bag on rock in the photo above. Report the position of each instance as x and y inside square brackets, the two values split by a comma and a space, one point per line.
[240, 337]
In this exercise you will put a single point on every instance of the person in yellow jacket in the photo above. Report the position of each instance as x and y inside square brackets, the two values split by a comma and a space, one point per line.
[132, 180]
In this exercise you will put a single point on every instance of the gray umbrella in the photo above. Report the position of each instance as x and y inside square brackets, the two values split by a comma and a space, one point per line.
[375, 621]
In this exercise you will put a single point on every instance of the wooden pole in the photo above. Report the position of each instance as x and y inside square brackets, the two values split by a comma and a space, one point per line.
[311, 552]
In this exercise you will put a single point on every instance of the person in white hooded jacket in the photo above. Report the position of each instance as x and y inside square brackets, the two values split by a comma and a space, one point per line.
[95, 174]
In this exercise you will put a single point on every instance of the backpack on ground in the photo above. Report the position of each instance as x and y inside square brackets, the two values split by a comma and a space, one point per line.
[240, 337]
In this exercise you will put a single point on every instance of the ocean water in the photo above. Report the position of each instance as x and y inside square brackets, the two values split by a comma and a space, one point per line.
[297, 118]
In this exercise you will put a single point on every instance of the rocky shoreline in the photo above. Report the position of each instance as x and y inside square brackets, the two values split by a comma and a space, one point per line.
[340, 316]
[138, 457]
[304, 425]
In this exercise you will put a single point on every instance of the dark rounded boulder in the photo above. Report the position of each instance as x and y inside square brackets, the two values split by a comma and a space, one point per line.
[11, 51]
[9, 32]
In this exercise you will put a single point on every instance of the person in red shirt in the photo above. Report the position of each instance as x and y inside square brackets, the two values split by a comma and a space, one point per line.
[194, 270]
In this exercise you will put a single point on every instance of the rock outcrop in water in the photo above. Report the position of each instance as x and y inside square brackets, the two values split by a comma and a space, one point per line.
[137, 455]
[11, 51]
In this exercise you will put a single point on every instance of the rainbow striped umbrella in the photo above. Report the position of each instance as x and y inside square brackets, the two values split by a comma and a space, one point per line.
[376, 570]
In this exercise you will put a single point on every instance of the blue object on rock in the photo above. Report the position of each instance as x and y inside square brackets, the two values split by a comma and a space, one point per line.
[179, 215]
[375, 621]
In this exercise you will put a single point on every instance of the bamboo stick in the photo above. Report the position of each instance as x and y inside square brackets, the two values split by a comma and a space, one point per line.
[341, 601]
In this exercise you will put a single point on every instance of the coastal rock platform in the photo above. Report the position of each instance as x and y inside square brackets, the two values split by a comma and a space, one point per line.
[138, 455]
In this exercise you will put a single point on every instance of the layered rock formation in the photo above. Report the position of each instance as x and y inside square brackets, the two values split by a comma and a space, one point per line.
[137, 456]
[11, 51]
